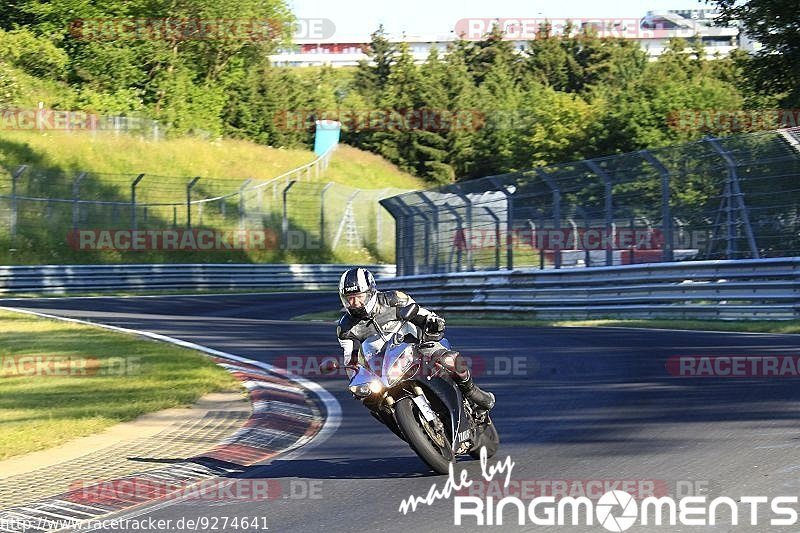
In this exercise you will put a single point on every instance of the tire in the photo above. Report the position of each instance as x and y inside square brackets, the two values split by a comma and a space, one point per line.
[487, 437]
[408, 418]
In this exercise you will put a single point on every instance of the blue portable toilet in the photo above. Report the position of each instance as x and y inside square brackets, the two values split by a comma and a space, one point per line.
[326, 135]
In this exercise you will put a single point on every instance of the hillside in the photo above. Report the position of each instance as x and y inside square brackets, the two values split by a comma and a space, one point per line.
[112, 162]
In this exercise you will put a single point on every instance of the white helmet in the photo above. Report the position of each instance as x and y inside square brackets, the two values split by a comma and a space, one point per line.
[358, 281]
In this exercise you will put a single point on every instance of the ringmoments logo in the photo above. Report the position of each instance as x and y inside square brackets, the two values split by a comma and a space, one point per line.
[618, 510]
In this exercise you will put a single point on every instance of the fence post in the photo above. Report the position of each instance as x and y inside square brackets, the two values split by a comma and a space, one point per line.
[347, 211]
[556, 212]
[189, 201]
[322, 214]
[285, 219]
[456, 246]
[14, 177]
[75, 197]
[609, 207]
[496, 237]
[434, 224]
[508, 191]
[668, 253]
[133, 200]
[379, 220]
[242, 206]
[735, 194]
[468, 233]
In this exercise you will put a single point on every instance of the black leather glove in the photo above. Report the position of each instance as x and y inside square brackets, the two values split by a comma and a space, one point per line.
[434, 324]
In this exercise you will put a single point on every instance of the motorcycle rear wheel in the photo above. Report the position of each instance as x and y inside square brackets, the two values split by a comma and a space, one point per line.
[439, 455]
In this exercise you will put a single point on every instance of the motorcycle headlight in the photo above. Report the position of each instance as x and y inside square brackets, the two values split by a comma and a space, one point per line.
[362, 391]
[375, 386]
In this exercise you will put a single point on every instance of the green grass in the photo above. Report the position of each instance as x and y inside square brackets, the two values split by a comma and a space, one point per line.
[55, 158]
[42, 411]
[227, 161]
[365, 170]
[498, 320]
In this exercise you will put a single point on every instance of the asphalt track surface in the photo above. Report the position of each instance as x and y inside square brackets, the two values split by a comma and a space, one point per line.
[582, 405]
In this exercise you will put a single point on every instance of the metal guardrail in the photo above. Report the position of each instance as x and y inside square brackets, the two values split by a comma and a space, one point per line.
[728, 289]
[62, 279]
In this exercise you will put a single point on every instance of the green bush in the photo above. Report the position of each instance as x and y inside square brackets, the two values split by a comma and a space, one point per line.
[34, 55]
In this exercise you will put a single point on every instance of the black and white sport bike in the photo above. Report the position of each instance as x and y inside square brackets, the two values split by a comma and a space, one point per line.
[415, 397]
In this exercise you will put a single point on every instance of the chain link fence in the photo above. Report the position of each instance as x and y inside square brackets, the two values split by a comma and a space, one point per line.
[718, 198]
[82, 217]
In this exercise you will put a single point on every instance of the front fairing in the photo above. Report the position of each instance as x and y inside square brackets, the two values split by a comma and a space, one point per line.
[389, 359]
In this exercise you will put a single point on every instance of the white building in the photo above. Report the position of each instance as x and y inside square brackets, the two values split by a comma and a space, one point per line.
[652, 32]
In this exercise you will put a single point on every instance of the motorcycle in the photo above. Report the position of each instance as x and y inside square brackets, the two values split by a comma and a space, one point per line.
[416, 398]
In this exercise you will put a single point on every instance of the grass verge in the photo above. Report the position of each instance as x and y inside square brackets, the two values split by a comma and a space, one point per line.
[109, 378]
[498, 320]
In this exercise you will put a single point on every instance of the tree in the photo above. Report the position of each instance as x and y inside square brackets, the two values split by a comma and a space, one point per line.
[373, 74]
[179, 57]
[499, 99]
[550, 60]
[773, 23]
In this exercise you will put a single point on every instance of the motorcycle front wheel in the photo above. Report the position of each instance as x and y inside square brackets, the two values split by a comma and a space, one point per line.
[432, 446]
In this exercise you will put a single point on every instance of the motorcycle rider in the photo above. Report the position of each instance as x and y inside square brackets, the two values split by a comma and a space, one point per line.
[367, 309]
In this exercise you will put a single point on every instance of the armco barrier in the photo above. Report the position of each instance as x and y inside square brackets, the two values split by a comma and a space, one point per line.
[61, 279]
[736, 289]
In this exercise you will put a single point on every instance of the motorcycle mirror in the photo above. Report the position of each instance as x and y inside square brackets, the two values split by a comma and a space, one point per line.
[329, 367]
[408, 312]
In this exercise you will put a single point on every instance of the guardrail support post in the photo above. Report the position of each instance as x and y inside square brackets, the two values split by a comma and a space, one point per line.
[134, 183]
[189, 201]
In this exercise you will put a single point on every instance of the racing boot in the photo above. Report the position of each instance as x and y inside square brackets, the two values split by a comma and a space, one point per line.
[459, 372]
[481, 398]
